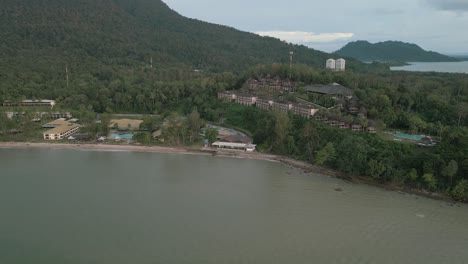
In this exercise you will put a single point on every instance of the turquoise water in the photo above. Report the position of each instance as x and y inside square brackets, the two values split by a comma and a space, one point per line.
[408, 136]
[122, 136]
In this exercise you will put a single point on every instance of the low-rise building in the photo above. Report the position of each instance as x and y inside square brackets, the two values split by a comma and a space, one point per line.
[356, 128]
[246, 99]
[56, 123]
[61, 132]
[304, 110]
[228, 95]
[264, 104]
[30, 103]
[281, 106]
[61, 115]
[234, 146]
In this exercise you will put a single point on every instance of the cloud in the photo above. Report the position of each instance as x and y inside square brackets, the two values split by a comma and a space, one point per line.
[388, 11]
[305, 37]
[450, 5]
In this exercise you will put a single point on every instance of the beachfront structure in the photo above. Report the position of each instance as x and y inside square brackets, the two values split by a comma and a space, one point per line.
[234, 146]
[331, 64]
[340, 65]
[50, 103]
[61, 132]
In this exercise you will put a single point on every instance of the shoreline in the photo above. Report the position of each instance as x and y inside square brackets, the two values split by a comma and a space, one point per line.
[307, 167]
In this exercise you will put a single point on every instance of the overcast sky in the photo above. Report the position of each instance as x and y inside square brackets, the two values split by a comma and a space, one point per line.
[438, 25]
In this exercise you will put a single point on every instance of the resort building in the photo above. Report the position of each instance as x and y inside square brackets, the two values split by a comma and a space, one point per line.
[356, 128]
[331, 64]
[245, 99]
[281, 106]
[56, 123]
[228, 95]
[61, 115]
[264, 104]
[304, 110]
[340, 65]
[234, 146]
[275, 84]
[61, 132]
[333, 89]
[30, 103]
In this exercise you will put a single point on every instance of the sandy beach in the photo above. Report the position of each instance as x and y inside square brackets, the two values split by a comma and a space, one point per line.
[136, 148]
[179, 150]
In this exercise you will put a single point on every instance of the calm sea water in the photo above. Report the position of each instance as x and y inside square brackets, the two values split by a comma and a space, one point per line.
[454, 67]
[72, 206]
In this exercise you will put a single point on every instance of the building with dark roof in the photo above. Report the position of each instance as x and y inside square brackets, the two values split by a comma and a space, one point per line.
[329, 89]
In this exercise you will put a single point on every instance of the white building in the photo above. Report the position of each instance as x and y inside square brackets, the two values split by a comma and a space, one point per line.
[340, 65]
[331, 64]
[61, 132]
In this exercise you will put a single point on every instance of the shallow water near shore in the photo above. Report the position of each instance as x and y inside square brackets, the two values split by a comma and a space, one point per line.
[72, 206]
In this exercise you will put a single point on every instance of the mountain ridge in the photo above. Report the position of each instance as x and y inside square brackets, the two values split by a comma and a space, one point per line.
[390, 51]
[130, 32]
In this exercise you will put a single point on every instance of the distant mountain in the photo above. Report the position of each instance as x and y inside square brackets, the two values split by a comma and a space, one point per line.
[40, 35]
[390, 51]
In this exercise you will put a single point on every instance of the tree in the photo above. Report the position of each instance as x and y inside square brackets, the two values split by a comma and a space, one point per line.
[450, 170]
[412, 175]
[352, 155]
[211, 135]
[325, 155]
[142, 137]
[194, 124]
[310, 139]
[430, 181]
[375, 169]
[460, 192]
[280, 131]
[462, 112]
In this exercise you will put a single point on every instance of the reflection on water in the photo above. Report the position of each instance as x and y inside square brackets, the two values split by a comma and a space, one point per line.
[66, 206]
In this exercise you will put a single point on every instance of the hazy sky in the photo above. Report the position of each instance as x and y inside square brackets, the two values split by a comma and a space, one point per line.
[439, 25]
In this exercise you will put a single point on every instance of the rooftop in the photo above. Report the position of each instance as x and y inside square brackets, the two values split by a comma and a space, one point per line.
[58, 122]
[331, 89]
[61, 129]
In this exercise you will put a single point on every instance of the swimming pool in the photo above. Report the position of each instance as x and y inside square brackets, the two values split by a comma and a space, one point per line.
[121, 136]
[408, 136]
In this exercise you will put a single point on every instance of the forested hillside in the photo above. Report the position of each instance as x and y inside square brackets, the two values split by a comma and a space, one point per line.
[390, 51]
[94, 37]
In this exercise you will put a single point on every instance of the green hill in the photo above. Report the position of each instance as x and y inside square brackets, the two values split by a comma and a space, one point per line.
[43, 34]
[390, 51]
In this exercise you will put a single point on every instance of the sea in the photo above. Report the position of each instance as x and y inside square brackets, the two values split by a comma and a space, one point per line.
[93, 207]
[450, 67]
